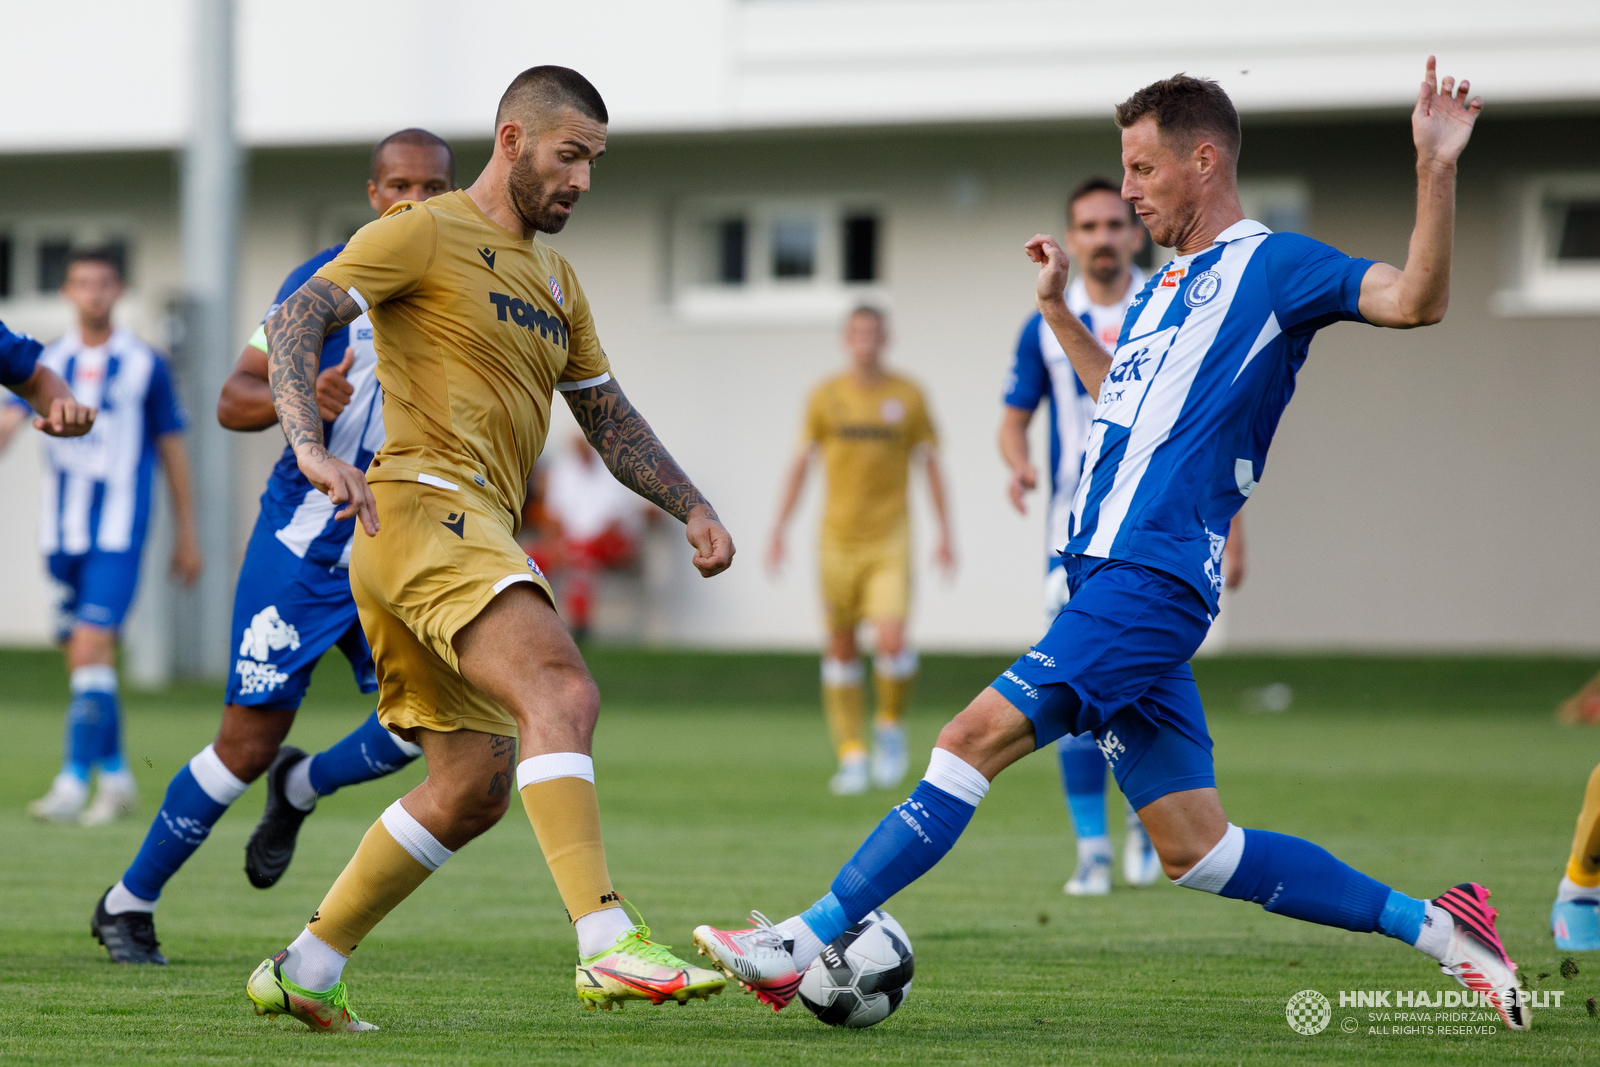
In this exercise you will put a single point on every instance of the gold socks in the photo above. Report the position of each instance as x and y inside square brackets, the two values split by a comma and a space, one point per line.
[395, 857]
[894, 677]
[1583, 866]
[558, 792]
[841, 703]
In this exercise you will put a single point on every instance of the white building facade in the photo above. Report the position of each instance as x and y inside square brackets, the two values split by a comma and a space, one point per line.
[773, 162]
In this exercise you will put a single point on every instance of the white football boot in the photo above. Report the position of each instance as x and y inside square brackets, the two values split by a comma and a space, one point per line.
[889, 756]
[851, 779]
[1140, 864]
[758, 958]
[1093, 876]
[116, 797]
[65, 800]
[1477, 959]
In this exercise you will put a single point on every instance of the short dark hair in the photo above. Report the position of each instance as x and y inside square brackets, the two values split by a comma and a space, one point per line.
[1097, 184]
[1186, 106]
[546, 90]
[106, 255]
[414, 136]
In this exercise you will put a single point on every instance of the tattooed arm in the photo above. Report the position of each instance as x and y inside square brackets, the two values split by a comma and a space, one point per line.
[635, 455]
[295, 333]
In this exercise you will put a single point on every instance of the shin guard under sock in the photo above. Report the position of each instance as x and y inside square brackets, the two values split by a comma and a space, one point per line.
[196, 798]
[558, 792]
[393, 859]
[1289, 876]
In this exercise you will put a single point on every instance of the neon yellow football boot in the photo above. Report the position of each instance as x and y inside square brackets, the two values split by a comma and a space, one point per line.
[636, 968]
[274, 995]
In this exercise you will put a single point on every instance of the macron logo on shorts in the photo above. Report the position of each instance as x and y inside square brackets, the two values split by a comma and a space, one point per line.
[456, 523]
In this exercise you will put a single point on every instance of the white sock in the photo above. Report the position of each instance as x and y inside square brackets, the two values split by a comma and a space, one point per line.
[1093, 848]
[807, 945]
[122, 779]
[1570, 890]
[214, 778]
[599, 930]
[1211, 874]
[1434, 938]
[297, 785]
[313, 963]
[120, 900]
[955, 776]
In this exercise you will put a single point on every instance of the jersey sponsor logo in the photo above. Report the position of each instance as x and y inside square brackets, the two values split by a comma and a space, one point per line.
[488, 257]
[364, 334]
[1132, 369]
[892, 410]
[1040, 658]
[456, 523]
[1014, 679]
[1171, 278]
[864, 433]
[1206, 285]
[535, 319]
[555, 291]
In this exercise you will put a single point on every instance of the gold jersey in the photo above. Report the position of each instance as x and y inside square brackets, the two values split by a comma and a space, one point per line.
[474, 329]
[867, 437]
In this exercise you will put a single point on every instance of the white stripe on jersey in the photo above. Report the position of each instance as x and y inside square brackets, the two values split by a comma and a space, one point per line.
[1151, 410]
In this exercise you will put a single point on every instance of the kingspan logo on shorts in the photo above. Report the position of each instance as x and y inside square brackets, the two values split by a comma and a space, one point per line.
[1110, 746]
[267, 633]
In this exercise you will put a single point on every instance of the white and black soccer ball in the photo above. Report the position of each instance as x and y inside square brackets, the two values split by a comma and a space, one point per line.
[862, 976]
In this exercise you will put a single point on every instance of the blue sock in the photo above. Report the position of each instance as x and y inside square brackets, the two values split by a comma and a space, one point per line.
[905, 846]
[367, 752]
[1402, 917]
[1083, 776]
[94, 721]
[1290, 876]
[188, 812]
[110, 740]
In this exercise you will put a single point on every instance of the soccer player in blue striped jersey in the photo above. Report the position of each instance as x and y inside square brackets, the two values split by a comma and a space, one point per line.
[293, 603]
[1205, 364]
[96, 497]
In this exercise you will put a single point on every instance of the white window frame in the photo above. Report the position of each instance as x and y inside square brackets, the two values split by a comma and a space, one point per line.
[46, 315]
[762, 297]
[1541, 285]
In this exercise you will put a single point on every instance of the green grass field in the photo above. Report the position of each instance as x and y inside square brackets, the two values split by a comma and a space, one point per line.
[712, 774]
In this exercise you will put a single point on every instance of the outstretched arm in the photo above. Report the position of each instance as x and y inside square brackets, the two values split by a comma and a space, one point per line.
[792, 481]
[1087, 357]
[637, 458]
[59, 414]
[295, 333]
[1441, 124]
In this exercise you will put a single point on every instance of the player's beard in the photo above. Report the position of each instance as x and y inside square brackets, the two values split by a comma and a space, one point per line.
[533, 203]
[1103, 265]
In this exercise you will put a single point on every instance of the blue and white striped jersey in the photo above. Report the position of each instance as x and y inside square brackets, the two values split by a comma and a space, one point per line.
[96, 488]
[300, 514]
[1041, 369]
[1204, 366]
[19, 354]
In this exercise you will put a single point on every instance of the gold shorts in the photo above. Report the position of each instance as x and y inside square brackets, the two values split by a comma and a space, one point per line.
[865, 581]
[439, 558]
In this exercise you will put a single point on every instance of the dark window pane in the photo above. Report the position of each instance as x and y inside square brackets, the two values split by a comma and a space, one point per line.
[794, 244]
[861, 248]
[53, 264]
[1580, 231]
[5, 266]
[118, 250]
[730, 251]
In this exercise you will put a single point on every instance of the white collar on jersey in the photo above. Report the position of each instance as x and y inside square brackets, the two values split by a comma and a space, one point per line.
[1241, 229]
[1078, 301]
[117, 342]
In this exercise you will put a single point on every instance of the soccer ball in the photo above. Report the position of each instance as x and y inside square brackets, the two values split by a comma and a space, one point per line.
[862, 976]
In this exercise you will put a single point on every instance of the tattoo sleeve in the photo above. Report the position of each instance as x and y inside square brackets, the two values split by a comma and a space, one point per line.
[632, 451]
[295, 333]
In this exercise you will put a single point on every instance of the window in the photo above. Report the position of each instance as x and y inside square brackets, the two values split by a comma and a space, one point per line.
[34, 251]
[52, 269]
[1556, 264]
[751, 259]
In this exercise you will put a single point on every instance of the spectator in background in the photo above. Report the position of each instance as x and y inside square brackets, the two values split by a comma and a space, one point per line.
[95, 511]
[590, 523]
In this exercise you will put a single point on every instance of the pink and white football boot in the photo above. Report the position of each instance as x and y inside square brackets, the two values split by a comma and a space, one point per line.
[1477, 959]
[758, 958]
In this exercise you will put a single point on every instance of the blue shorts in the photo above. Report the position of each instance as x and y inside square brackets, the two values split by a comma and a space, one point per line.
[1115, 663]
[286, 614]
[96, 588]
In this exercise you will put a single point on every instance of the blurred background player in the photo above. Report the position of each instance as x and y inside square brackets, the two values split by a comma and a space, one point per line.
[1103, 236]
[293, 603]
[593, 524]
[1575, 916]
[57, 411]
[868, 424]
[93, 516]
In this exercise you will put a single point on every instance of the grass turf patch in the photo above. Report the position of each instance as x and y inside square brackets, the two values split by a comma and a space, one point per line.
[712, 772]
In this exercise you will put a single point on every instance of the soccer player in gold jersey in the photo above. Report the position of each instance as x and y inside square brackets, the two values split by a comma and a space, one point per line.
[868, 424]
[476, 324]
